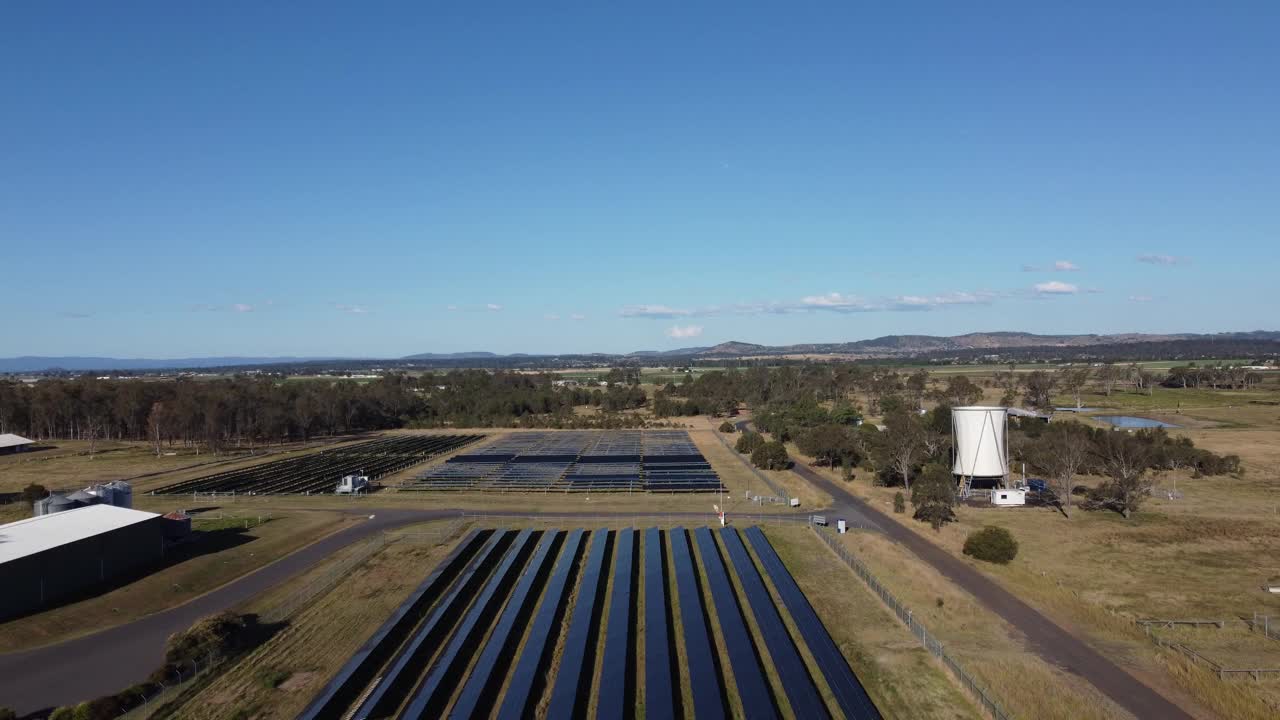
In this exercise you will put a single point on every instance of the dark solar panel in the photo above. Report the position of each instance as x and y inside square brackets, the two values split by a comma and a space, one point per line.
[801, 692]
[355, 675]
[749, 677]
[403, 672]
[477, 695]
[518, 701]
[704, 677]
[848, 691]
[434, 692]
[574, 677]
[616, 685]
[659, 662]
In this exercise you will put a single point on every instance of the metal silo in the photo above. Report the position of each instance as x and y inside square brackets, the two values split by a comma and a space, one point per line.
[980, 434]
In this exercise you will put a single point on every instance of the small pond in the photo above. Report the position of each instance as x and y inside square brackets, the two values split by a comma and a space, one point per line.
[1129, 421]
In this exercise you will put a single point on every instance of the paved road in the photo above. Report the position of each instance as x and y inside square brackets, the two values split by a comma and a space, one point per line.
[1051, 642]
[106, 662]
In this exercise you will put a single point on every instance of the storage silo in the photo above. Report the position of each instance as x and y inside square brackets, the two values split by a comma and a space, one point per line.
[117, 492]
[980, 434]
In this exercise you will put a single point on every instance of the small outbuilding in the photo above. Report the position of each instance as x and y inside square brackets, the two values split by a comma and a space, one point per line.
[49, 558]
[10, 443]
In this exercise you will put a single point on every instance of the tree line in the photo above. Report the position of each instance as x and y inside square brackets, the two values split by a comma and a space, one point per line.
[245, 411]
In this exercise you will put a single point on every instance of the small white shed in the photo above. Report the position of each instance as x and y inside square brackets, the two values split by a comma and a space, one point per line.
[1008, 497]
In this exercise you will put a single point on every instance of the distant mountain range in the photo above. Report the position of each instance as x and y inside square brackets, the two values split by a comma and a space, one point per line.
[907, 345]
[889, 346]
[32, 363]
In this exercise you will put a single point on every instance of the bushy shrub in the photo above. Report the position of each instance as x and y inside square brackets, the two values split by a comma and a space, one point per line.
[30, 494]
[899, 503]
[8, 714]
[991, 544]
[771, 456]
[272, 677]
[748, 442]
[934, 496]
[727, 427]
[62, 713]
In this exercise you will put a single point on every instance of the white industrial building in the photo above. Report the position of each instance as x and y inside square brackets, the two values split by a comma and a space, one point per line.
[10, 443]
[53, 557]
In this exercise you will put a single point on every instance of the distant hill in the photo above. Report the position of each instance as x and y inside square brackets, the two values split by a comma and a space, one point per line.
[910, 345]
[33, 363]
[968, 345]
[477, 355]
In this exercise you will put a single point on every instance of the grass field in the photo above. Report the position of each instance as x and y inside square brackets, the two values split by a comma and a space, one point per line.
[67, 466]
[1205, 555]
[901, 677]
[224, 551]
[278, 679]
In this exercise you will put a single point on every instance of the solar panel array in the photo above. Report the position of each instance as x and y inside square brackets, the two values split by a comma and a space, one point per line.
[320, 472]
[514, 622]
[577, 461]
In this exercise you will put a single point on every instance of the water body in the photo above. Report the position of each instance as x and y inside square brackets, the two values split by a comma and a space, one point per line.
[1131, 422]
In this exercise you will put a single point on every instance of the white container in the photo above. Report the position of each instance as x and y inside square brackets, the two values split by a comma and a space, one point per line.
[352, 484]
[1009, 497]
[979, 433]
[841, 527]
[795, 502]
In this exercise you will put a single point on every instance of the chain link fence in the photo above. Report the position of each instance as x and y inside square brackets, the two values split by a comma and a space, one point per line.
[152, 697]
[176, 683]
[931, 643]
[622, 520]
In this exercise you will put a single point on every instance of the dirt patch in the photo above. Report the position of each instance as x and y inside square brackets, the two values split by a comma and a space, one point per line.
[298, 681]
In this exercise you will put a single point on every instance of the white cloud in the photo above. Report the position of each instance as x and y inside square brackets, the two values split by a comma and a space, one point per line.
[1054, 287]
[688, 331]
[242, 308]
[451, 308]
[654, 311]
[493, 307]
[577, 316]
[75, 314]
[1140, 298]
[1057, 266]
[1161, 259]
[838, 302]
[551, 316]
[830, 302]
[353, 309]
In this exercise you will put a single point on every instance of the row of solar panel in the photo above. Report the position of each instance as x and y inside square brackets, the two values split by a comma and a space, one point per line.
[320, 472]
[477, 606]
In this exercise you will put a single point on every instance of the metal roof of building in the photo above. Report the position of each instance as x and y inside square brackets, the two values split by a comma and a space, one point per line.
[35, 535]
[11, 440]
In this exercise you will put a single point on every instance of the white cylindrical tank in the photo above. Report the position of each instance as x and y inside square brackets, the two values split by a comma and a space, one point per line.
[980, 441]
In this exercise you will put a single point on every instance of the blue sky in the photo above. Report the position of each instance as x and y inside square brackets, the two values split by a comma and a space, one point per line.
[378, 180]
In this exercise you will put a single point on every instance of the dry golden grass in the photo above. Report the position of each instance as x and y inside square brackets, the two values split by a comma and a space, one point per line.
[901, 677]
[318, 641]
[986, 646]
[1202, 556]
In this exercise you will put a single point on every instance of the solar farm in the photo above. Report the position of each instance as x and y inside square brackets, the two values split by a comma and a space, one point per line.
[319, 472]
[514, 624]
[662, 461]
